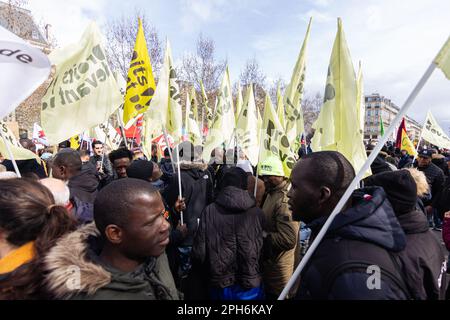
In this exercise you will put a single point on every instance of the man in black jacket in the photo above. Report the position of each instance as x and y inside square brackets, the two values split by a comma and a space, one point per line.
[229, 241]
[436, 178]
[355, 258]
[197, 191]
[101, 163]
[423, 259]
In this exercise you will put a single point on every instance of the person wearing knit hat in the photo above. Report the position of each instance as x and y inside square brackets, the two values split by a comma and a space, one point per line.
[400, 188]
[280, 231]
[422, 257]
[140, 169]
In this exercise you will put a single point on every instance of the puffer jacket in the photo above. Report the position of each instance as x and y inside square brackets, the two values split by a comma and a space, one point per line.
[423, 261]
[229, 239]
[366, 235]
[74, 271]
[281, 239]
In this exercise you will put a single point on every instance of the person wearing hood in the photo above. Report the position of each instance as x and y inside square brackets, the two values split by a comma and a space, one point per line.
[422, 260]
[405, 160]
[121, 256]
[67, 166]
[197, 191]
[280, 231]
[229, 241]
[355, 258]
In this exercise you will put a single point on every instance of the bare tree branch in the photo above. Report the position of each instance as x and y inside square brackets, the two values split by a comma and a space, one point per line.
[121, 35]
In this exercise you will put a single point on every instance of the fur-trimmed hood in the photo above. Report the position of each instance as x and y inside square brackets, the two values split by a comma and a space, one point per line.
[188, 165]
[67, 259]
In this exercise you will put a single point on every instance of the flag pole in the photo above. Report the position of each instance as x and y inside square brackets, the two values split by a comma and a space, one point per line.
[353, 185]
[179, 181]
[420, 140]
[168, 146]
[16, 168]
[257, 164]
[122, 130]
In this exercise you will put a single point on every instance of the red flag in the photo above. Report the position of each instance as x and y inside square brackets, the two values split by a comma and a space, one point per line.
[398, 142]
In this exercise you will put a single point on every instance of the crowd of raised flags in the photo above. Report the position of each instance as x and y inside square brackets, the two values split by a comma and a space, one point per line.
[85, 92]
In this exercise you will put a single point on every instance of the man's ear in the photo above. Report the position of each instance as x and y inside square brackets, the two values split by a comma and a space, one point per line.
[325, 195]
[114, 234]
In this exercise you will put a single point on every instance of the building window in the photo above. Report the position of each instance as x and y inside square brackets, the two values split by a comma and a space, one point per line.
[35, 35]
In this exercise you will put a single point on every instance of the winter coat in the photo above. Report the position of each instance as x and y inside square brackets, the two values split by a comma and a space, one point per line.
[435, 177]
[366, 235]
[77, 254]
[422, 260]
[442, 201]
[26, 166]
[439, 161]
[281, 239]
[196, 186]
[229, 239]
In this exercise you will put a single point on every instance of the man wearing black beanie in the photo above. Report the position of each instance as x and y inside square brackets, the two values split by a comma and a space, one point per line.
[422, 259]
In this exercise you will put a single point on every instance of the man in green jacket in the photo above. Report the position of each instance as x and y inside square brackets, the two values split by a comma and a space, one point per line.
[280, 231]
[122, 256]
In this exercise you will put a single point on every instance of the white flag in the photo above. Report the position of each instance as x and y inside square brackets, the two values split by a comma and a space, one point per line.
[106, 133]
[83, 93]
[23, 69]
[39, 135]
[434, 134]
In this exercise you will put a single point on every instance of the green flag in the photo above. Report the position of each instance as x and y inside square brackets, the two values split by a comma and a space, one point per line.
[381, 127]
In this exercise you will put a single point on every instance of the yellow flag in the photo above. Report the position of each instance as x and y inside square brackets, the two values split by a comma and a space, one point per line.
[274, 140]
[192, 130]
[280, 107]
[140, 82]
[239, 103]
[223, 125]
[75, 142]
[295, 126]
[443, 59]
[407, 144]
[335, 127]
[361, 103]
[165, 107]
[83, 93]
[247, 128]
[208, 116]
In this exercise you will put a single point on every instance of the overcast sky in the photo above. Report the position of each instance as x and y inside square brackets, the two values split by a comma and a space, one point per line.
[395, 39]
